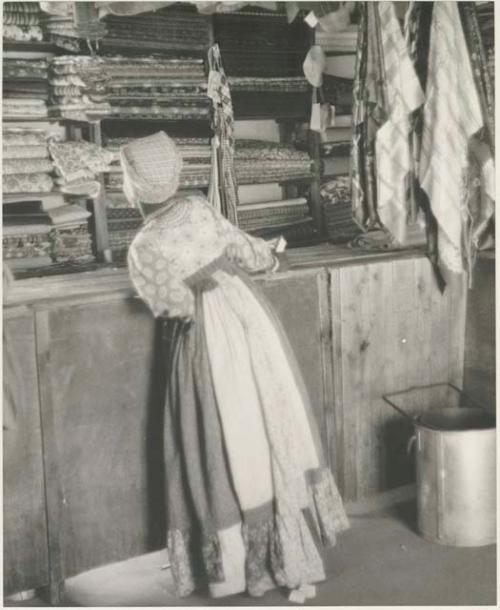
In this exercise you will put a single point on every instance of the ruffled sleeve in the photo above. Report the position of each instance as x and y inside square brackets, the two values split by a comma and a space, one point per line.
[163, 292]
[250, 253]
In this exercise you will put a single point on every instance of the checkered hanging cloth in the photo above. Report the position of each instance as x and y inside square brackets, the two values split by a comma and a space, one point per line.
[223, 128]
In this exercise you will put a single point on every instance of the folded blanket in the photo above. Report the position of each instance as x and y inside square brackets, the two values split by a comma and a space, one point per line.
[32, 69]
[246, 149]
[27, 183]
[26, 103]
[26, 166]
[79, 159]
[21, 7]
[24, 152]
[293, 84]
[23, 136]
[24, 19]
[18, 33]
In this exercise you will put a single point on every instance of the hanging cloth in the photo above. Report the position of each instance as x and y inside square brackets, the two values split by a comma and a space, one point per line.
[369, 113]
[213, 194]
[481, 173]
[223, 128]
[479, 62]
[403, 96]
[451, 116]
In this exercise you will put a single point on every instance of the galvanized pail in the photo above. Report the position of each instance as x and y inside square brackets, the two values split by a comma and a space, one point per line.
[456, 474]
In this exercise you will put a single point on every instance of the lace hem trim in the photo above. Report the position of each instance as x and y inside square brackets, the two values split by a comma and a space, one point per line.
[280, 550]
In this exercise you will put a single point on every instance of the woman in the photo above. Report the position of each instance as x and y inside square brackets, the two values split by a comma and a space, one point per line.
[250, 498]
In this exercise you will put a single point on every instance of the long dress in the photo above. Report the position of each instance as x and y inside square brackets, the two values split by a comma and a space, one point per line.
[250, 500]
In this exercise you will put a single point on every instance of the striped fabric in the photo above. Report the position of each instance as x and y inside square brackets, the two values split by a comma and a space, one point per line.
[393, 154]
[452, 114]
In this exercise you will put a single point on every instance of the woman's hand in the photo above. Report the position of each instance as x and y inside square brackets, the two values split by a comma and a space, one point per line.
[278, 244]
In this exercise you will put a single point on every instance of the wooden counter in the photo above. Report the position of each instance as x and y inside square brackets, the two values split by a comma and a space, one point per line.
[361, 326]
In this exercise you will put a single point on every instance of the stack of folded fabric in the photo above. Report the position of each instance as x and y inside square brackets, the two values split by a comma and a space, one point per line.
[123, 224]
[257, 161]
[78, 88]
[70, 236]
[145, 87]
[20, 109]
[26, 234]
[289, 218]
[66, 23]
[26, 163]
[263, 44]
[342, 42]
[37, 233]
[21, 22]
[78, 164]
[273, 215]
[25, 88]
[336, 199]
[196, 157]
[163, 30]
[286, 97]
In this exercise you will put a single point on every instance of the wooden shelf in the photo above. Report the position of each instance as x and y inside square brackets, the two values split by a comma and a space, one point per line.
[14, 197]
[11, 46]
[30, 119]
[291, 180]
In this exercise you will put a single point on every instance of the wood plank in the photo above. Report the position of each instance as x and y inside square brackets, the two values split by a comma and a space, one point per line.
[480, 354]
[302, 324]
[108, 414]
[397, 331]
[326, 346]
[25, 559]
[54, 497]
[339, 437]
[355, 305]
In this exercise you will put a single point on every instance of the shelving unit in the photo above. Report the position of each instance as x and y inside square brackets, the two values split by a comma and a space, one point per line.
[286, 108]
[336, 219]
[243, 103]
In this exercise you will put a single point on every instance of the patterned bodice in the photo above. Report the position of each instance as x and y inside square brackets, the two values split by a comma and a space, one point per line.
[179, 241]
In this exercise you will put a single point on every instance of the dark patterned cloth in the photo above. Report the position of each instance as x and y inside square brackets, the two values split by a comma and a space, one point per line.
[368, 115]
[160, 30]
[479, 63]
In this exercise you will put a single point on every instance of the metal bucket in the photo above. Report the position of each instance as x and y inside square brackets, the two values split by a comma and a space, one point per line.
[456, 475]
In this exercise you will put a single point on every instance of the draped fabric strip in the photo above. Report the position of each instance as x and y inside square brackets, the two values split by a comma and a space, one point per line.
[223, 126]
[450, 120]
[393, 154]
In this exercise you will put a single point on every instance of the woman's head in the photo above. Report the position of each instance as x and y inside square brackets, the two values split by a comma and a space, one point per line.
[151, 169]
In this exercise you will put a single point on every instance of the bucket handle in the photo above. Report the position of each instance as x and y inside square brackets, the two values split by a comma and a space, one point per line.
[414, 418]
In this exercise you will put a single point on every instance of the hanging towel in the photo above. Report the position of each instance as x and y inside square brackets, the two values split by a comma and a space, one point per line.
[393, 152]
[452, 114]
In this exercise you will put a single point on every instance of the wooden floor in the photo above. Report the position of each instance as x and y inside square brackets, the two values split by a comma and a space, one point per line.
[379, 561]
